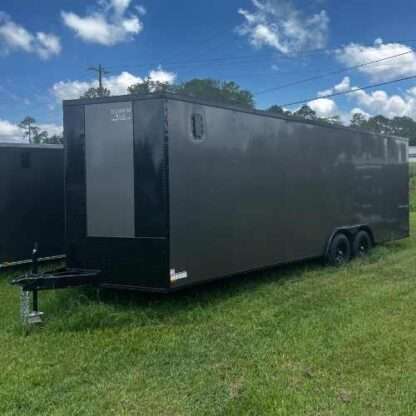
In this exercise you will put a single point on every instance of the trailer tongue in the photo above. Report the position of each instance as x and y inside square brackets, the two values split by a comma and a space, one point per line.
[36, 281]
[57, 279]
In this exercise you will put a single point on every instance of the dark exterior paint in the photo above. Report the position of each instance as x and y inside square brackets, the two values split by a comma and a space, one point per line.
[110, 170]
[151, 169]
[221, 190]
[31, 201]
[267, 191]
[140, 261]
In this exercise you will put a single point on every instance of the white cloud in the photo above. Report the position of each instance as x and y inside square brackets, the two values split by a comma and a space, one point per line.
[48, 44]
[141, 10]
[68, 90]
[10, 132]
[117, 84]
[162, 76]
[371, 103]
[119, 6]
[379, 102]
[324, 107]
[402, 66]
[14, 37]
[343, 86]
[279, 25]
[108, 25]
[357, 110]
[51, 129]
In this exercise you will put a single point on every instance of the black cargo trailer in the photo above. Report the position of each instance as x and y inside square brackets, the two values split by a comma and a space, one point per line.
[31, 202]
[163, 192]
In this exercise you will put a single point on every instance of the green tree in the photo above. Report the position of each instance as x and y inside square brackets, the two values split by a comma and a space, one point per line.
[398, 126]
[404, 127]
[333, 120]
[359, 120]
[28, 127]
[40, 136]
[96, 93]
[148, 86]
[276, 109]
[306, 112]
[54, 139]
[380, 124]
[31, 132]
[223, 92]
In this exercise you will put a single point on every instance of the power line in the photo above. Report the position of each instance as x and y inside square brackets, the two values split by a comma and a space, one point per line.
[175, 54]
[214, 35]
[327, 74]
[242, 59]
[350, 91]
[193, 62]
[233, 59]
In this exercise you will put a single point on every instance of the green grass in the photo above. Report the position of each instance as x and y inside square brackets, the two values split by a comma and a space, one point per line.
[412, 169]
[413, 194]
[301, 340]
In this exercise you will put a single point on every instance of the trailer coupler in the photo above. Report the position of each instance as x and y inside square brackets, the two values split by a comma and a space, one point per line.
[57, 279]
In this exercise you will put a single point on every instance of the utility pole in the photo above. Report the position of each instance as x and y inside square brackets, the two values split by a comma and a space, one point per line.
[100, 71]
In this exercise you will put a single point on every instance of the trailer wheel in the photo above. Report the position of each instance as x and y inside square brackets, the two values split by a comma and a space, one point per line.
[362, 244]
[339, 251]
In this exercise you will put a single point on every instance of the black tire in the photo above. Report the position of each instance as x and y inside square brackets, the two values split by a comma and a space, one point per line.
[339, 252]
[362, 244]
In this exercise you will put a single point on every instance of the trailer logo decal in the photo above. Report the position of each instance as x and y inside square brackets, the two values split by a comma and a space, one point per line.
[175, 276]
[121, 114]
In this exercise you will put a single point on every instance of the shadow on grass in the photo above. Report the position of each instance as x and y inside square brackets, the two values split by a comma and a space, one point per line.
[85, 309]
[218, 290]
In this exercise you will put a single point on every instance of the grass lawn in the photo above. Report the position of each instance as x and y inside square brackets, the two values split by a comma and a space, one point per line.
[301, 340]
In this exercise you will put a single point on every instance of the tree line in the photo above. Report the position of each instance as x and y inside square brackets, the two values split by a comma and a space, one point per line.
[35, 135]
[229, 92]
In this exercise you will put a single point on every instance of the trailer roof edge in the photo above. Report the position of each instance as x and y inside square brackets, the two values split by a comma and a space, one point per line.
[178, 97]
[32, 146]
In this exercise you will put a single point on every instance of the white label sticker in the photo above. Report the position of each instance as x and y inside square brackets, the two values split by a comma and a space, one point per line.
[120, 114]
[175, 276]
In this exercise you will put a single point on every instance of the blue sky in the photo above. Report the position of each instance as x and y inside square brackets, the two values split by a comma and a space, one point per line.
[47, 46]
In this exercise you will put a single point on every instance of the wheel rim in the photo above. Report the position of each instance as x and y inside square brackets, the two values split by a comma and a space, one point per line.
[341, 251]
[363, 247]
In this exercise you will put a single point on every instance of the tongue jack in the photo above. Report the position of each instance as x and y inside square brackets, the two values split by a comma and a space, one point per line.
[31, 316]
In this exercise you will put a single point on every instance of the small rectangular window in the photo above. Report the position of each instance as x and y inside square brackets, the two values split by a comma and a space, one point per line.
[197, 126]
[25, 160]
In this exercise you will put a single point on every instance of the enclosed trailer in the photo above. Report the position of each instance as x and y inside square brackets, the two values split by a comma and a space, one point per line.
[163, 192]
[31, 202]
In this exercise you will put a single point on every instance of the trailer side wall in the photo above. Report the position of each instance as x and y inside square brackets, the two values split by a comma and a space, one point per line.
[31, 202]
[249, 191]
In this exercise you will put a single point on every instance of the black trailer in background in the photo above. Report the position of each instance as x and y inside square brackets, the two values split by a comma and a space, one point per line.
[163, 192]
[31, 202]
